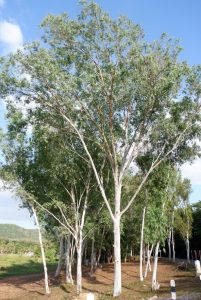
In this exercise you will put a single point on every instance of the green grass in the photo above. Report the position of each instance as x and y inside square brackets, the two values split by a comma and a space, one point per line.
[14, 264]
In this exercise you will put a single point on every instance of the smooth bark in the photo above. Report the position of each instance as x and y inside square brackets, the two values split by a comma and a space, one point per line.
[173, 245]
[154, 285]
[187, 249]
[79, 264]
[117, 258]
[172, 238]
[148, 265]
[47, 289]
[61, 256]
[141, 243]
[187, 242]
[70, 249]
[169, 244]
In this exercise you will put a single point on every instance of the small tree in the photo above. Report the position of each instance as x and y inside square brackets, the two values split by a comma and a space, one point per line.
[37, 163]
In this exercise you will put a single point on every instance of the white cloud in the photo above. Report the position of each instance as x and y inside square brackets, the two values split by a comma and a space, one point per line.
[2, 2]
[10, 36]
[192, 171]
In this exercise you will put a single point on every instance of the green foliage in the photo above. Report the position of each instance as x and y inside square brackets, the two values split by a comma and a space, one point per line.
[19, 247]
[159, 200]
[111, 83]
[156, 225]
[23, 247]
[183, 214]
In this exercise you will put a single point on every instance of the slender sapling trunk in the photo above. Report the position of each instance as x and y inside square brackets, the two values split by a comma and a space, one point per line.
[169, 245]
[61, 255]
[99, 252]
[173, 245]
[93, 258]
[141, 243]
[47, 289]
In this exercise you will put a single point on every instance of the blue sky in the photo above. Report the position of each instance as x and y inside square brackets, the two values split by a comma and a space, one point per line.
[19, 20]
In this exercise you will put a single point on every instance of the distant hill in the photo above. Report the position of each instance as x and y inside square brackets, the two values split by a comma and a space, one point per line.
[14, 232]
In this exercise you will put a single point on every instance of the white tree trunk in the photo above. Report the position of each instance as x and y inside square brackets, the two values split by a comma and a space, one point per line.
[141, 243]
[117, 240]
[187, 249]
[148, 265]
[169, 245]
[61, 254]
[47, 289]
[173, 245]
[154, 285]
[187, 242]
[117, 258]
[69, 260]
[79, 263]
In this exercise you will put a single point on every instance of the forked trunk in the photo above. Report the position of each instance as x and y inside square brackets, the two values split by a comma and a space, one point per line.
[70, 249]
[141, 243]
[148, 265]
[155, 285]
[47, 289]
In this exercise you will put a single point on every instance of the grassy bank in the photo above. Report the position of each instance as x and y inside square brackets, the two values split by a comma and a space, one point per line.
[14, 264]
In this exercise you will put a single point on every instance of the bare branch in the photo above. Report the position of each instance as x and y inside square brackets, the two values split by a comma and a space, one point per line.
[92, 163]
[68, 224]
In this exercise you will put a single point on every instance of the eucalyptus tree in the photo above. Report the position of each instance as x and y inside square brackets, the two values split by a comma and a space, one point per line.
[56, 178]
[157, 209]
[112, 89]
[173, 203]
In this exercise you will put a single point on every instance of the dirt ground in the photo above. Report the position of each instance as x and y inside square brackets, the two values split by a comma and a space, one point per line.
[31, 286]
